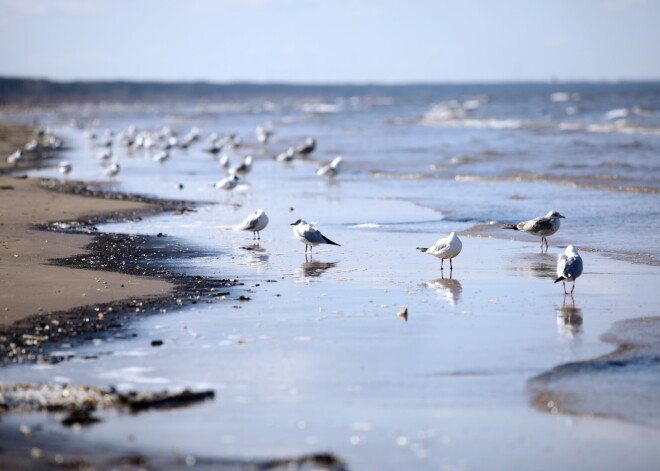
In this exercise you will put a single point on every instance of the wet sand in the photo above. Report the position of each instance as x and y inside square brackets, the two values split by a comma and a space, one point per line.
[623, 384]
[30, 283]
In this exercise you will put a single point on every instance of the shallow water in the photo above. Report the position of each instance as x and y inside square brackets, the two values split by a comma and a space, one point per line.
[318, 359]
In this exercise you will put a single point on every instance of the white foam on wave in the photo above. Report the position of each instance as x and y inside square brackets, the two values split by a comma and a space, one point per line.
[366, 226]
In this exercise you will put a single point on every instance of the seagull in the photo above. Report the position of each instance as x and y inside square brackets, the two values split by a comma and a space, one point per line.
[16, 157]
[228, 183]
[449, 247]
[31, 146]
[65, 167]
[569, 267]
[105, 154]
[306, 148]
[224, 161]
[244, 167]
[543, 226]
[309, 235]
[331, 170]
[263, 134]
[255, 223]
[287, 156]
[112, 170]
[161, 157]
[214, 149]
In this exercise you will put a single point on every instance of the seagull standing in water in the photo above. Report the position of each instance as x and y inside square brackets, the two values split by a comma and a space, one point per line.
[306, 148]
[542, 227]
[449, 247]
[112, 170]
[331, 170]
[244, 167]
[228, 183]
[255, 223]
[309, 235]
[65, 167]
[287, 156]
[569, 267]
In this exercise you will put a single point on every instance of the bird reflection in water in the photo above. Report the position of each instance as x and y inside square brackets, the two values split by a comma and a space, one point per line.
[569, 319]
[535, 265]
[259, 256]
[449, 288]
[312, 268]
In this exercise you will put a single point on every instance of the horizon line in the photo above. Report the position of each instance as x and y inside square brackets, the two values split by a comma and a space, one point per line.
[334, 83]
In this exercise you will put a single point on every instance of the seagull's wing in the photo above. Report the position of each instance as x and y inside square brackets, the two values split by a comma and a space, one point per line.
[249, 223]
[313, 235]
[536, 225]
[573, 267]
[561, 267]
[439, 246]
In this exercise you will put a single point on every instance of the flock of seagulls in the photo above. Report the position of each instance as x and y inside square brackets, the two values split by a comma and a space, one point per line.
[44, 141]
[161, 142]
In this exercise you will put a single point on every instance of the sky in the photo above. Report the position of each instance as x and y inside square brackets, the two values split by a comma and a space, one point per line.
[331, 41]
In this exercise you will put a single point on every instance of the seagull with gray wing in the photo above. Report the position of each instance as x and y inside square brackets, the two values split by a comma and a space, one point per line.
[309, 235]
[542, 227]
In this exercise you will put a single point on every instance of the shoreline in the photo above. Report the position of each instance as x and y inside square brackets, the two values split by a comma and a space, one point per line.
[119, 286]
[603, 386]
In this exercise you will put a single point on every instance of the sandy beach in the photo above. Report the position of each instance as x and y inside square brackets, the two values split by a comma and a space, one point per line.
[30, 284]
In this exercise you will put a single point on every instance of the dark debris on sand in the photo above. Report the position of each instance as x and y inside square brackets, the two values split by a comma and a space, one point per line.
[31, 339]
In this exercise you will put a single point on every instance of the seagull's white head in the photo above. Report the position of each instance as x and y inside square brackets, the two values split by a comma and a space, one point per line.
[300, 222]
[554, 214]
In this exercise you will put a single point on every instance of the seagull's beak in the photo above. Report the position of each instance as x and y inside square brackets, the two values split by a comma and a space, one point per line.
[563, 217]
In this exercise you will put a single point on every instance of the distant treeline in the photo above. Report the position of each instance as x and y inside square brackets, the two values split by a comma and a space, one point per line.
[31, 92]
[19, 91]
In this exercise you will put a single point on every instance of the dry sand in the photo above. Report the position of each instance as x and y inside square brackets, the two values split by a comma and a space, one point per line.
[28, 284]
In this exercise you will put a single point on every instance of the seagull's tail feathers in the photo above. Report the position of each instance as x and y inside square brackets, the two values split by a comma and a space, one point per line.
[423, 249]
[328, 241]
[559, 279]
[510, 226]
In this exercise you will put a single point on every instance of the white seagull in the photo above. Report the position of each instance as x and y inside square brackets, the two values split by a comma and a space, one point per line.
[112, 170]
[569, 267]
[65, 167]
[449, 247]
[16, 157]
[287, 156]
[161, 157]
[105, 154]
[309, 235]
[224, 161]
[255, 223]
[331, 170]
[244, 167]
[228, 183]
[542, 227]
